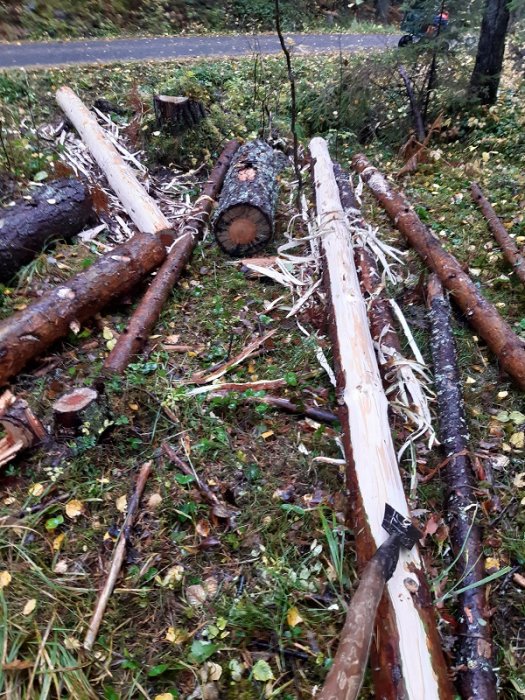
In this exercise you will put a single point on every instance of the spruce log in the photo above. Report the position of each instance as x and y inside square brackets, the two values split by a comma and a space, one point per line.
[147, 312]
[177, 114]
[58, 210]
[476, 677]
[508, 246]
[28, 333]
[144, 212]
[244, 221]
[480, 313]
[411, 663]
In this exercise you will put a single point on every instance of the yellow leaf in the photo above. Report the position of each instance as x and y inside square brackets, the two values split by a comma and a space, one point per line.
[485, 157]
[107, 333]
[175, 635]
[518, 440]
[57, 542]
[293, 618]
[164, 696]
[122, 503]
[491, 563]
[74, 508]
[111, 344]
[134, 406]
[29, 607]
[5, 579]
[267, 434]
[36, 490]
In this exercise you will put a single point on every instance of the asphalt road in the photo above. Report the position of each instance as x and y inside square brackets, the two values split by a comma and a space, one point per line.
[42, 54]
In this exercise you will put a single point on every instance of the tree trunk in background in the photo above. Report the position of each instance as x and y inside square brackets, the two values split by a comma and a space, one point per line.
[484, 81]
[58, 210]
[382, 10]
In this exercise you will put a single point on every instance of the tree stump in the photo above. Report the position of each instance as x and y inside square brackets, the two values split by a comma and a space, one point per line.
[177, 114]
[58, 210]
[78, 412]
[244, 221]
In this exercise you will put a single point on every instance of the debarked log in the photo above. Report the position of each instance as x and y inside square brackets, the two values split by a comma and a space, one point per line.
[145, 316]
[58, 210]
[480, 313]
[476, 677]
[28, 333]
[507, 244]
[409, 662]
[177, 113]
[244, 220]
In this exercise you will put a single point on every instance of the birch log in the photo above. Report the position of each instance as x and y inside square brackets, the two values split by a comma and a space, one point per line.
[480, 313]
[476, 677]
[143, 211]
[412, 662]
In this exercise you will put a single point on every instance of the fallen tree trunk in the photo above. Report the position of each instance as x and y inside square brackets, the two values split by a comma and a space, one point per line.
[145, 214]
[506, 243]
[22, 428]
[245, 215]
[27, 333]
[177, 113]
[476, 677]
[480, 313]
[408, 662]
[58, 210]
[144, 318]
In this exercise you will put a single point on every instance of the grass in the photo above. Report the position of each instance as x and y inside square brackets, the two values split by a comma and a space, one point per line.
[282, 572]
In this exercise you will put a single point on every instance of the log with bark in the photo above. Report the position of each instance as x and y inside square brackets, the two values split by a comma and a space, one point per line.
[59, 210]
[479, 312]
[244, 220]
[22, 428]
[507, 244]
[177, 113]
[144, 318]
[408, 662]
[475, 673]
[29, 332]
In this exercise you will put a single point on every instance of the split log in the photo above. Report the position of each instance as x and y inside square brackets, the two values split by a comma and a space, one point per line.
[409, 662]
[28, 333]
[145, 214]
[508, 246]
[177, 114]
[119, 554]
[22, 428]
[58, 210]
[80, 411]
[244, 221]
[479, 312]
[475, 674]
[144, 318]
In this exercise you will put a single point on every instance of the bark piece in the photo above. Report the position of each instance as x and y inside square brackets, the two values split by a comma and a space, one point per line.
[476, 677]
[58, 210]
[22, 428]
[506, 243]
[28, 333]
[409, 662]
[144, 212]
[177, 113]
[79, 411]
[147, 312]
[244, 221]
[479, 312]
[117, 559]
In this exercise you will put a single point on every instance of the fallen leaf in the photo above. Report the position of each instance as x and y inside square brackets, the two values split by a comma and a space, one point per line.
[519, 481]
[61, 567]
[122, 504]
[36, 490]
[492, 564]
[5, 579]
[214, 671]
[210, 586]
[517, 440]
[176, 636]
[74, 508]
[202, 528]
[519, 579]
[196, 595]
[262, 671]
[154, 500]
[29, 607]
[17, 665]
[293, 618]
[173, 575]
[164, 696]
[9, 500]
[267, 434]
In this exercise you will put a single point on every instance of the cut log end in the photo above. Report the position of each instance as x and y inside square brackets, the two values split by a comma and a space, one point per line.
[79, 411]
[242, 229]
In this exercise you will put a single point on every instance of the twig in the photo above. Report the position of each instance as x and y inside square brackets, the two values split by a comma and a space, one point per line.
[417, 117]
[315, 413]
[118, 556]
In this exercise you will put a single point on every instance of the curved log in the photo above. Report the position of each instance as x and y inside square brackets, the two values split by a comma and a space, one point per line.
[245, 216]
[476, 677]
[58, 210]
[147, 312]
[31, 331]
[479, 312]
[506, 243]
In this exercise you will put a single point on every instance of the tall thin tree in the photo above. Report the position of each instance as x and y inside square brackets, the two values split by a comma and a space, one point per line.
[484, 81]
